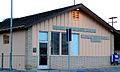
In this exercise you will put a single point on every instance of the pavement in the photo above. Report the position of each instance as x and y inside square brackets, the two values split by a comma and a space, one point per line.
[100, 69]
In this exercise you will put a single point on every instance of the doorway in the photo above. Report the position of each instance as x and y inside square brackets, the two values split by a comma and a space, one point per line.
[43, 55]
[43, 52]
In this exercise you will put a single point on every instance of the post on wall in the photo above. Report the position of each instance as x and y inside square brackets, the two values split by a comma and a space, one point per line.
[112, 47]
[112, 41]
[68, 34]
[2, 61]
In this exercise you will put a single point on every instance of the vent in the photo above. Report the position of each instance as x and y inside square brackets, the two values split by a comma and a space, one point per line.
[75, 15]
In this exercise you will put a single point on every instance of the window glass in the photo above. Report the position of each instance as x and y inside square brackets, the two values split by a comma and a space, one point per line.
[55, 43]
[75, 44]
[5, 39]
[64, 44]
[43, 53]
[43, 36]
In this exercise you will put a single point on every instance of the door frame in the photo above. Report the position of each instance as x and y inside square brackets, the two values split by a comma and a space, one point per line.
[43, 66]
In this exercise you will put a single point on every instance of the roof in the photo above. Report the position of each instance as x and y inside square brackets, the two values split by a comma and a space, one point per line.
[28, 21]
[117, 32]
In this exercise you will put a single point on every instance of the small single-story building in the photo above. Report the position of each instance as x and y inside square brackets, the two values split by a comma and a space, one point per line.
[39, 41]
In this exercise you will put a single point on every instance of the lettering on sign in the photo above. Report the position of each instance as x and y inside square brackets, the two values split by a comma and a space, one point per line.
[74, 29]
[95, 38]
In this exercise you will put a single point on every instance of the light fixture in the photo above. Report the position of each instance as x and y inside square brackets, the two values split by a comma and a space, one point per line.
[77, 9]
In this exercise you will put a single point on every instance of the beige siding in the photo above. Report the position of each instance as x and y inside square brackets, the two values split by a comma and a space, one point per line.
[86, 47]
[18, 61]
[18, 50]
[19, 43]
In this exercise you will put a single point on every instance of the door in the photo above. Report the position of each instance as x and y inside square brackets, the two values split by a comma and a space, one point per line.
[43, 55]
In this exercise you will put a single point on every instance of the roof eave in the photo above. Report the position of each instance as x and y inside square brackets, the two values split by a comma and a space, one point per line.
[14, 29]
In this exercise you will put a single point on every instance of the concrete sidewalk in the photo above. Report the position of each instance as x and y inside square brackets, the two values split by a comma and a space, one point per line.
[100, 69]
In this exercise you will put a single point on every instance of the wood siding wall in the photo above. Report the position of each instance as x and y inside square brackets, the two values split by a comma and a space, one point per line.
[18, 50]
[86, 47]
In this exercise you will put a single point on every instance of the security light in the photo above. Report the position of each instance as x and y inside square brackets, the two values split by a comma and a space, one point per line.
[77, 9]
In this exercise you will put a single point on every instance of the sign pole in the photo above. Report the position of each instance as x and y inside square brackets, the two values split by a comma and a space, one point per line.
[2, 61]
[11, 34]
[68, 52]
[68, 31]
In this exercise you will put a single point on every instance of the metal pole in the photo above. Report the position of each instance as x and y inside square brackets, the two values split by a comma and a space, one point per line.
[74, 2]
[11, 34]
[112, 22]
[48, 70]
[59, 70]
[68, 52]
[2, 61]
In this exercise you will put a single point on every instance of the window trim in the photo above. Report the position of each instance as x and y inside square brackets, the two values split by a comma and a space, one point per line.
[60, 43]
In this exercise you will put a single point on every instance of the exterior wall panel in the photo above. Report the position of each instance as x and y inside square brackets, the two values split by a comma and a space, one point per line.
[31, 61]
[86, 47]
[18, 57]
[77, 62]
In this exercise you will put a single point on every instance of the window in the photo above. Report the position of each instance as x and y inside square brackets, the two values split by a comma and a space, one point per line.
[5, 39]
[55, 43]
[75, 44]
[64, 44]
[43, 36]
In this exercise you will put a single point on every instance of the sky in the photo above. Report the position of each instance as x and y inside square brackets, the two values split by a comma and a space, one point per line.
[103, 8]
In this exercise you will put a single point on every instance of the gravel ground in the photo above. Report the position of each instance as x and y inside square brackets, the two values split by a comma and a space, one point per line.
[102, 69]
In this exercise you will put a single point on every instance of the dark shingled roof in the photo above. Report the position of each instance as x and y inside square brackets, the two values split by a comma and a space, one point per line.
[117, 31]
[28, 21]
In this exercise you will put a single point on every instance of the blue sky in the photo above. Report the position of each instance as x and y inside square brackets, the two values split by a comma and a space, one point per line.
[21, 8]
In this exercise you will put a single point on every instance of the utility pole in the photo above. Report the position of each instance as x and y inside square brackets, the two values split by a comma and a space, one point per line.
[112, 20]
[11, 34]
